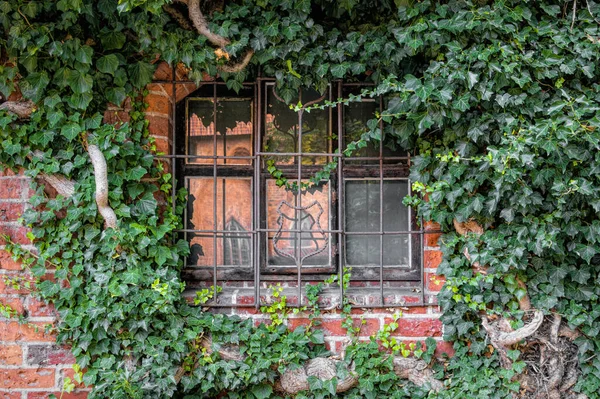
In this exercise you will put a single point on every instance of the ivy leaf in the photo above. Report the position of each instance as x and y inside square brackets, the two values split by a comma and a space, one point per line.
[262, 391]
[108, 64]
[80, 82]
[84, 54]
[113, 40]
[587, 252]
[424, 91]
[146, 205]
[141, 73]
[70, 130]
[33, 85]
[462, 103]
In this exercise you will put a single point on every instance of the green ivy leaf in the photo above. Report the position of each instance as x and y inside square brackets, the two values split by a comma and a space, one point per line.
[108, 64]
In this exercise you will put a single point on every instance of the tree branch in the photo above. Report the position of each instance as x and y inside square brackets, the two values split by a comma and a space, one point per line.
[240, 65]
[101, 178]
[201, 25]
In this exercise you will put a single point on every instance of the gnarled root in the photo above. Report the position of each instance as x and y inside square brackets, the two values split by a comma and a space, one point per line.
[295, 380]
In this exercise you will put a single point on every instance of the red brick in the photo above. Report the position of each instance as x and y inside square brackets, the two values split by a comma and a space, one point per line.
[17, 234]
[162, 145]
[158, 125]
[13, 331]
[10, 211]
[432, 259]
[159, 103]
[58, 394]
[9, 395]
[45, 355]
[432, 239]
[163, 72]
[38, 308]
[431, 226]
[417, 327]
[68, 372]
[15, 303]
[7, 263]
[9, 172]
[444, 347]
[11, 355]
[7, 288]
[12, 188]
[26, 378]
[434, 282]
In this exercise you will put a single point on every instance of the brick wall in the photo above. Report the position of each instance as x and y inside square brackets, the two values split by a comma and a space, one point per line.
[32, 366]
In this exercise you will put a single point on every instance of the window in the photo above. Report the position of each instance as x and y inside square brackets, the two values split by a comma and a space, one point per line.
[247, 231]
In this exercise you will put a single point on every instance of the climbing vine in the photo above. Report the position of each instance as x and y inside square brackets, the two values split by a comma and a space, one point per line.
[499, 99]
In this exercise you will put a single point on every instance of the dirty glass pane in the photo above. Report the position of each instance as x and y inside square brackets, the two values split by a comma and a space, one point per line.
[283, 128]
[233, 130]
[356, 115]
[363, 215]
[305, 242]
[233, 219]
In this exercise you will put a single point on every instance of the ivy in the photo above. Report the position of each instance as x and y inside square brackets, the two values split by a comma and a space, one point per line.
[497, 98]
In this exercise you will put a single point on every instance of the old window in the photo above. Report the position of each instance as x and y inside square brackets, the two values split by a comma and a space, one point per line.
[247, 230]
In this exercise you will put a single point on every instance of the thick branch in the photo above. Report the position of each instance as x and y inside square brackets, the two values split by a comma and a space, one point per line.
[201, 25]
[101, 178]
[22, 108]
[61, 184]
[511, 338]
[235, 68]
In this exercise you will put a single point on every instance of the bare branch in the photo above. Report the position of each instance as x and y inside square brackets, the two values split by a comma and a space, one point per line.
[101, 178]
[202, 26]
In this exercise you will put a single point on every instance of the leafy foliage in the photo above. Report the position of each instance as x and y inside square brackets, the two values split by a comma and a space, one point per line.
[499, 99]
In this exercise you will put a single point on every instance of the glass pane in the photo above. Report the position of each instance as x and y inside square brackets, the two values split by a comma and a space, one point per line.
[298, 234]
[233, 130]
[283, 128]
[232, 216]
[362, 216]
[356, 116]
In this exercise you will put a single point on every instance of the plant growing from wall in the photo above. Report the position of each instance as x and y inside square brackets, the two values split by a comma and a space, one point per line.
[499, 99]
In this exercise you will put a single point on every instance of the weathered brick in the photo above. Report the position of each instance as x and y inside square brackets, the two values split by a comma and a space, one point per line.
[162, 145]
[159, 125]
[444, 347]
[15, 303]
[163, 72]
[38, 308]
[334, 328]
[418, 327]
[12, 331]
[58, 394]
[434, 282]
[17, 234]
[11, 395]
[26, 378]
[11, 355]
[432, 259]
[158, 103]
[7, 263]
[10, 211]
[12, 188]
[432, 239]
[45, 355]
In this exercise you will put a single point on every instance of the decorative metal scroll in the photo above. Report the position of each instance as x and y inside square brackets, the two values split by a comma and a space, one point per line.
[290, 252]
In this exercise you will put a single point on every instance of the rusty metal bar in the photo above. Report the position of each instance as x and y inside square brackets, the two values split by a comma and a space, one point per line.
[382, 296]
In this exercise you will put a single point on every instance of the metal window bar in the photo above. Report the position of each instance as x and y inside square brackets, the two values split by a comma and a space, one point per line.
[257, 211]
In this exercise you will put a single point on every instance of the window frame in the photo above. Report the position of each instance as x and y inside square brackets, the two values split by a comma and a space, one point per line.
[259, 270]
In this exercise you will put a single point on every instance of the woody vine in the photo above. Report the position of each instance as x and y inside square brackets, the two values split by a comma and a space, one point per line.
[498, 98]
